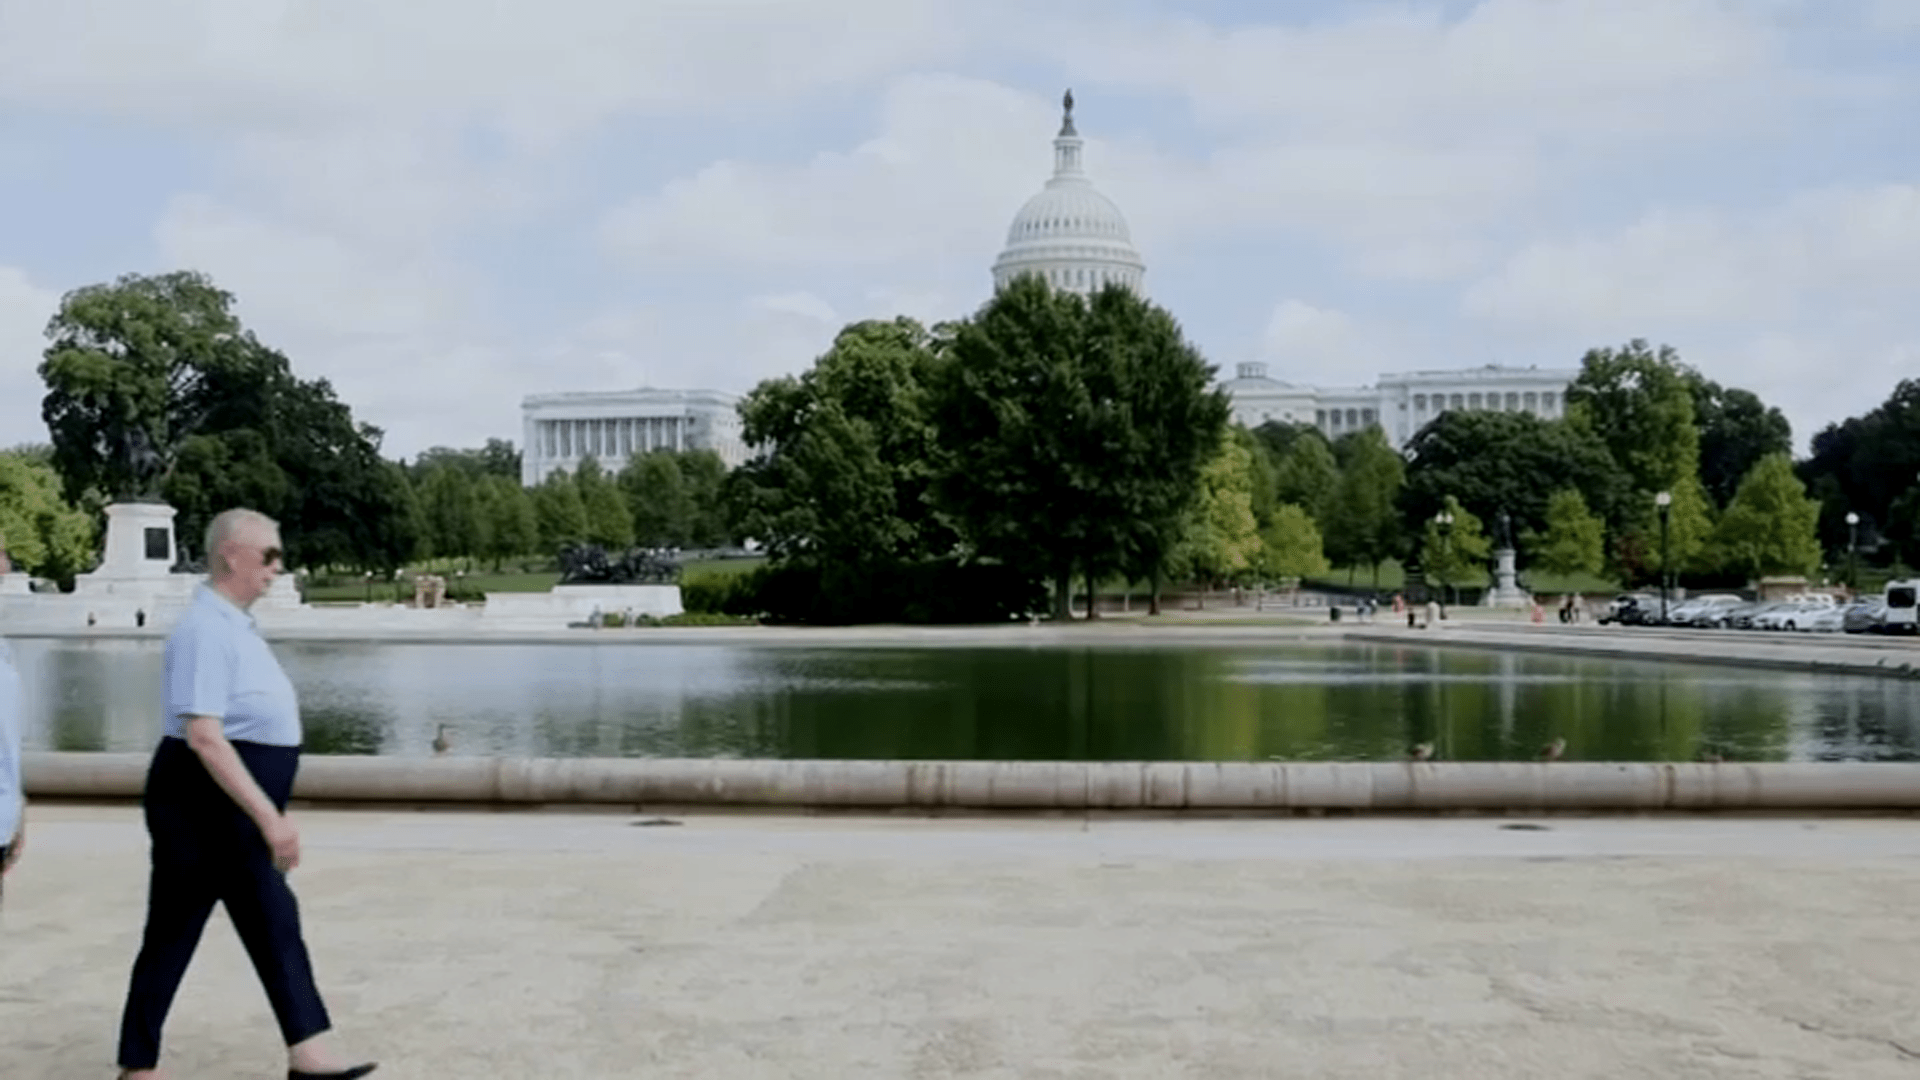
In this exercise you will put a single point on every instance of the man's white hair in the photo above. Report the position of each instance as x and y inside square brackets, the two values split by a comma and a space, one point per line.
[222, 529]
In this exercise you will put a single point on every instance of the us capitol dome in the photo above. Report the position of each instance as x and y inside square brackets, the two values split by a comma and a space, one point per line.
[1069, 233]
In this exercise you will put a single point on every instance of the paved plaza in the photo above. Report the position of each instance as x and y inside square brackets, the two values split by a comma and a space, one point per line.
[607, 945]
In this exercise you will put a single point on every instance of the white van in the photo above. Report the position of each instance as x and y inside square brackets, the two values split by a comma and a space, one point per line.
[1901, 617]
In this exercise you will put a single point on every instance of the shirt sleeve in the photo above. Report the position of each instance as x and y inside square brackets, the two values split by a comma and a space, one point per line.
[199, 674]
[11, 791]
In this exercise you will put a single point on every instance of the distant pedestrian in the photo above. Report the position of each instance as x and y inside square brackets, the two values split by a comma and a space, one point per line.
[215, 805]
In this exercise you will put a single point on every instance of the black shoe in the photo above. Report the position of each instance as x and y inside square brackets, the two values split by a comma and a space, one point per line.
[344, 1074]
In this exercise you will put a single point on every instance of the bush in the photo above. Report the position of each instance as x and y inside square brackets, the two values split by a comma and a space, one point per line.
[711, 593]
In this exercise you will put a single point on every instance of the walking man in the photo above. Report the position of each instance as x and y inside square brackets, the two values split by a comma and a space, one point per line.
[215, 802]
[13, 799]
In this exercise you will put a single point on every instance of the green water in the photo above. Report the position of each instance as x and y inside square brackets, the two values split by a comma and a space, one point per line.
[1290, 701]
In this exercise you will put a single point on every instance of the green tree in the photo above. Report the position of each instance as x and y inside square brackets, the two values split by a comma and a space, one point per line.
[1073, 436]
[40, 532]
[1690, 530]
[516, 529]
[1771, 525]
[453, 511]
[561, 513]
[1290, 546]
[1305, 473]
[609, 518]
[1867, 465]
[703, 477]
[1736, 431]
[1511, 461]
[1362, 517]
[844, 456]
[656, 489]
[1575, 539]
[1450, 549]
[155, 390]
[1222, 541]
[1266, 476]
[1639, 403]
[127, 374]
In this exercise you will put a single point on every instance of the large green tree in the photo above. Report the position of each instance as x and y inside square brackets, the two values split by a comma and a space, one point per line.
[1305, 473]
[1737, 429]
[1870, 465]
[1222, 539]
[844, 455]
[129, 371]
[1073, 434]
[1511, 461]
[1290, 546]
[155, 390]
[609, 518]
[1362, 518]
[656, 490]
[1771, 525]
[1639, 403]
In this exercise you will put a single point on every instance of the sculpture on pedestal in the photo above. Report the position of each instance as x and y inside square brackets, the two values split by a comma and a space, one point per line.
[588, 564]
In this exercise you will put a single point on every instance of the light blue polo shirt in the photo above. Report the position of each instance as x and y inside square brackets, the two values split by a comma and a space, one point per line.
[12, 795]
[217, 664]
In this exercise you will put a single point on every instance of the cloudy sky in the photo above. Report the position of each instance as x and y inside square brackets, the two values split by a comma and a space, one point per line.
[443, 206]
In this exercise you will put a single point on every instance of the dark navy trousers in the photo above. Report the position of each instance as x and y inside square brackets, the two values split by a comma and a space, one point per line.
[206, 851]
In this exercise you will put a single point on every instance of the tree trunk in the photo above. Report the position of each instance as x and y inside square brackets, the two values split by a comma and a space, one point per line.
[1063, 594]
[1153, 592]
[1093, 597]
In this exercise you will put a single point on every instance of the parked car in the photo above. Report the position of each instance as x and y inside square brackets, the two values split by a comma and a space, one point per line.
[1867, 616]
[1713, 609]
[1790, 615]
[1826, 619]
[1628, 609]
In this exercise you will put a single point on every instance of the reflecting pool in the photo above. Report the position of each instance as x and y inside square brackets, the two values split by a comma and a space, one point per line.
[1207, 702]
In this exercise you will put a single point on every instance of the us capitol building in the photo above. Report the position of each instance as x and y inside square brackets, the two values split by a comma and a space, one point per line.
[1077, 239]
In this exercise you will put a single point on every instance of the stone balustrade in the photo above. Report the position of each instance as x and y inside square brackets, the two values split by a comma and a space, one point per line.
[1020, 785]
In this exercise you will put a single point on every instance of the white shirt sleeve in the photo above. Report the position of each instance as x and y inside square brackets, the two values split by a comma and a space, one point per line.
[12, 795]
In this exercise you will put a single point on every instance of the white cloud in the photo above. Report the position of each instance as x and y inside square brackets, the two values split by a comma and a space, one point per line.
[1317, 346]
[1807, 303]
[1840, 255]
[24, 311]
[954, 158]
[531, 65]
[354, 181]
[1505, 69]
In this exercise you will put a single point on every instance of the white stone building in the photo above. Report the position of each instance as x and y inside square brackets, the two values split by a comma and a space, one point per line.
[1401, 404]
[561, 430]
[1078, 240]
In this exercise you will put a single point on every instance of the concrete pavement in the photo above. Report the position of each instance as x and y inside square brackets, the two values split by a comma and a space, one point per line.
[602, 946]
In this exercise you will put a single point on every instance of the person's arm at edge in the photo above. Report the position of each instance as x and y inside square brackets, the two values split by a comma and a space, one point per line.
[12, 782]
[208, 738]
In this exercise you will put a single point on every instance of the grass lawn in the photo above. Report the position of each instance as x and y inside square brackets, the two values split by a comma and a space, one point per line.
[346, 588]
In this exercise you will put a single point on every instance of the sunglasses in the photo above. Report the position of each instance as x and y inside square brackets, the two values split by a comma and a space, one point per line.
[269, 556]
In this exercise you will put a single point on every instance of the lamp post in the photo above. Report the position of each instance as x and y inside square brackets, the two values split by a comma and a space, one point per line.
[1853, 525]
[1445, 520]
[1664, 501]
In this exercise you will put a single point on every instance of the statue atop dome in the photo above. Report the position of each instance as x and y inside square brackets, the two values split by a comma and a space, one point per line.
[1066, 120]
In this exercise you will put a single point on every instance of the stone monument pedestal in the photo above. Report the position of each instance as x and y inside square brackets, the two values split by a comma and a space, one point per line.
[1506, 592]
[135, 578]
